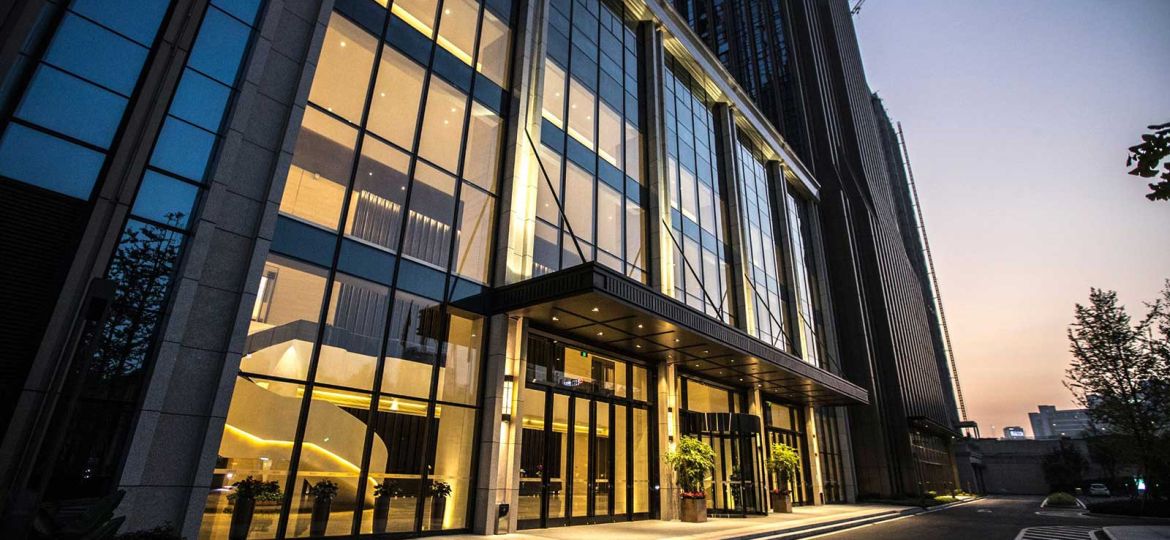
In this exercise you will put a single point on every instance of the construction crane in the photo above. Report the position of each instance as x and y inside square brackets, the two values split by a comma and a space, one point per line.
[856, 7]
[942, 314]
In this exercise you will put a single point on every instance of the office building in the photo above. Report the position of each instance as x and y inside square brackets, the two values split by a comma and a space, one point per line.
[445, 255]
[799, 60]
[1052, 423]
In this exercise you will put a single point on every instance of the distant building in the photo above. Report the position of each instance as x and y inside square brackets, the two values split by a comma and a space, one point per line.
[1051, 423]
[1014, 433]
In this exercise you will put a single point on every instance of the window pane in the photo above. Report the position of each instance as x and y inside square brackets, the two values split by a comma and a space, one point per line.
[419, 14]
[92, 52]
[71, 106]
[352, 340]
[442, 133]
[495, 52]
[609, 135]
[457, 28]
[432, 208]
[284, 319]
[138, 19]
[200, 100]
[581, 105]
[48, 162]
[396, 460]
[183, 149]
[451, 465]
[257, 441]
[633, 153]
[609, 219]
[343, 69]
[635, 234]
[165, 200]
[320, 170]
[334, 439]
[219, 49]
[481, 162]
[473, 242]
[580, 212]
[545, 253]
[379, 193]
[546, 196]
[554, 93]
[459, 374]
[412, 346]
[394, 107]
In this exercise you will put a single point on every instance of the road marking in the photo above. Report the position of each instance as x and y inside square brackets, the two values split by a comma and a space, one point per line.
[1060, 532]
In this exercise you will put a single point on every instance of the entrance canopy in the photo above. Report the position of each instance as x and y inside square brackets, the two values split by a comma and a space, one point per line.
[592, 303]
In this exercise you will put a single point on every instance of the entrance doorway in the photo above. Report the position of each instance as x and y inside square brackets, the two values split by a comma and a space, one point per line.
[585, 445]
[785, 425]
[716, 416]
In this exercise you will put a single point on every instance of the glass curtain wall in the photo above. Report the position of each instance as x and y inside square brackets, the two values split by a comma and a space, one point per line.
[697, 207]
[591, 142]
[164, 209]
[763, 271]
[804, 260]
[354, 369]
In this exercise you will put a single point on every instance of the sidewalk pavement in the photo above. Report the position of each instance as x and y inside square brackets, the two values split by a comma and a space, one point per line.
[802, 517]
[1139, 532]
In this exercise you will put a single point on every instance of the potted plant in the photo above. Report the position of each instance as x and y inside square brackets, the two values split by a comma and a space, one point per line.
[783, 462]
[383, 492]
[243, 498]
[691, 461]
[323, 493]
[440, 491]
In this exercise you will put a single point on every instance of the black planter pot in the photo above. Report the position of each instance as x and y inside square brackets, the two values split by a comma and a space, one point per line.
[438, 510]
[241, 518]
[381, 514]
[319, 522]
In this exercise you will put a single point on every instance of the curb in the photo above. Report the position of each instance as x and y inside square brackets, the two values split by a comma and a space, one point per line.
[817, 529]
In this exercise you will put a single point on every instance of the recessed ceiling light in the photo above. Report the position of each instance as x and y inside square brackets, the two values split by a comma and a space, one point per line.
[638, 346]
[639, 326]
[555, 318]
[595, 310]
[601, 333]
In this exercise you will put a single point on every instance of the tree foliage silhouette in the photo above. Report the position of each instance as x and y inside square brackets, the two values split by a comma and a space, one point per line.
[1147, 157]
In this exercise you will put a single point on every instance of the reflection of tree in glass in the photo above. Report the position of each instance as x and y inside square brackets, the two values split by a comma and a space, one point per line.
[141, 268]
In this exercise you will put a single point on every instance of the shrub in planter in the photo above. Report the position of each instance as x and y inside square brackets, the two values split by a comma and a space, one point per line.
[782, 462]
[323, 493]
[383, 493]
[440, 491]
[1059, 499]
[244, 496]
[691, 460]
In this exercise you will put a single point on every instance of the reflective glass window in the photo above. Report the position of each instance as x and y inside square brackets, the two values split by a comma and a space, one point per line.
[96, 54]
[419, 14]
[71, 106]
[218, 51]
[473, 240]
[352, 340]
[183, 148]
[495, 51]
[46, 161]
[481, 161]
[165, 199]
[554, 93]
[457, 28]
[284, 319]
[432, 208]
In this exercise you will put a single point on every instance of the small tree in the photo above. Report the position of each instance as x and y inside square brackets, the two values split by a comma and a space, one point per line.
[1147, 157]
[782, 462]
[1121, 373]
[691, 461]
[1064, 468]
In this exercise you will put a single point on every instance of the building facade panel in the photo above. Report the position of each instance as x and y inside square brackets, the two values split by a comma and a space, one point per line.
[405, 262]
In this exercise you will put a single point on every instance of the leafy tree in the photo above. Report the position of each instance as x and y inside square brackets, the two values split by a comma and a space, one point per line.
[1147, 156]
[1064, 468]
[1121, 373]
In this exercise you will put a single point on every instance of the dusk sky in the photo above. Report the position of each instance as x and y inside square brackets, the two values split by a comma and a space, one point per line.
[1017, 116]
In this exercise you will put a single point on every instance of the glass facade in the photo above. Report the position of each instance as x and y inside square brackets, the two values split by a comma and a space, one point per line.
[763, 274]
[591, 143]
[804, 269]
[698, 228]
[355, 371]
[161, 217]
[64, 125]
